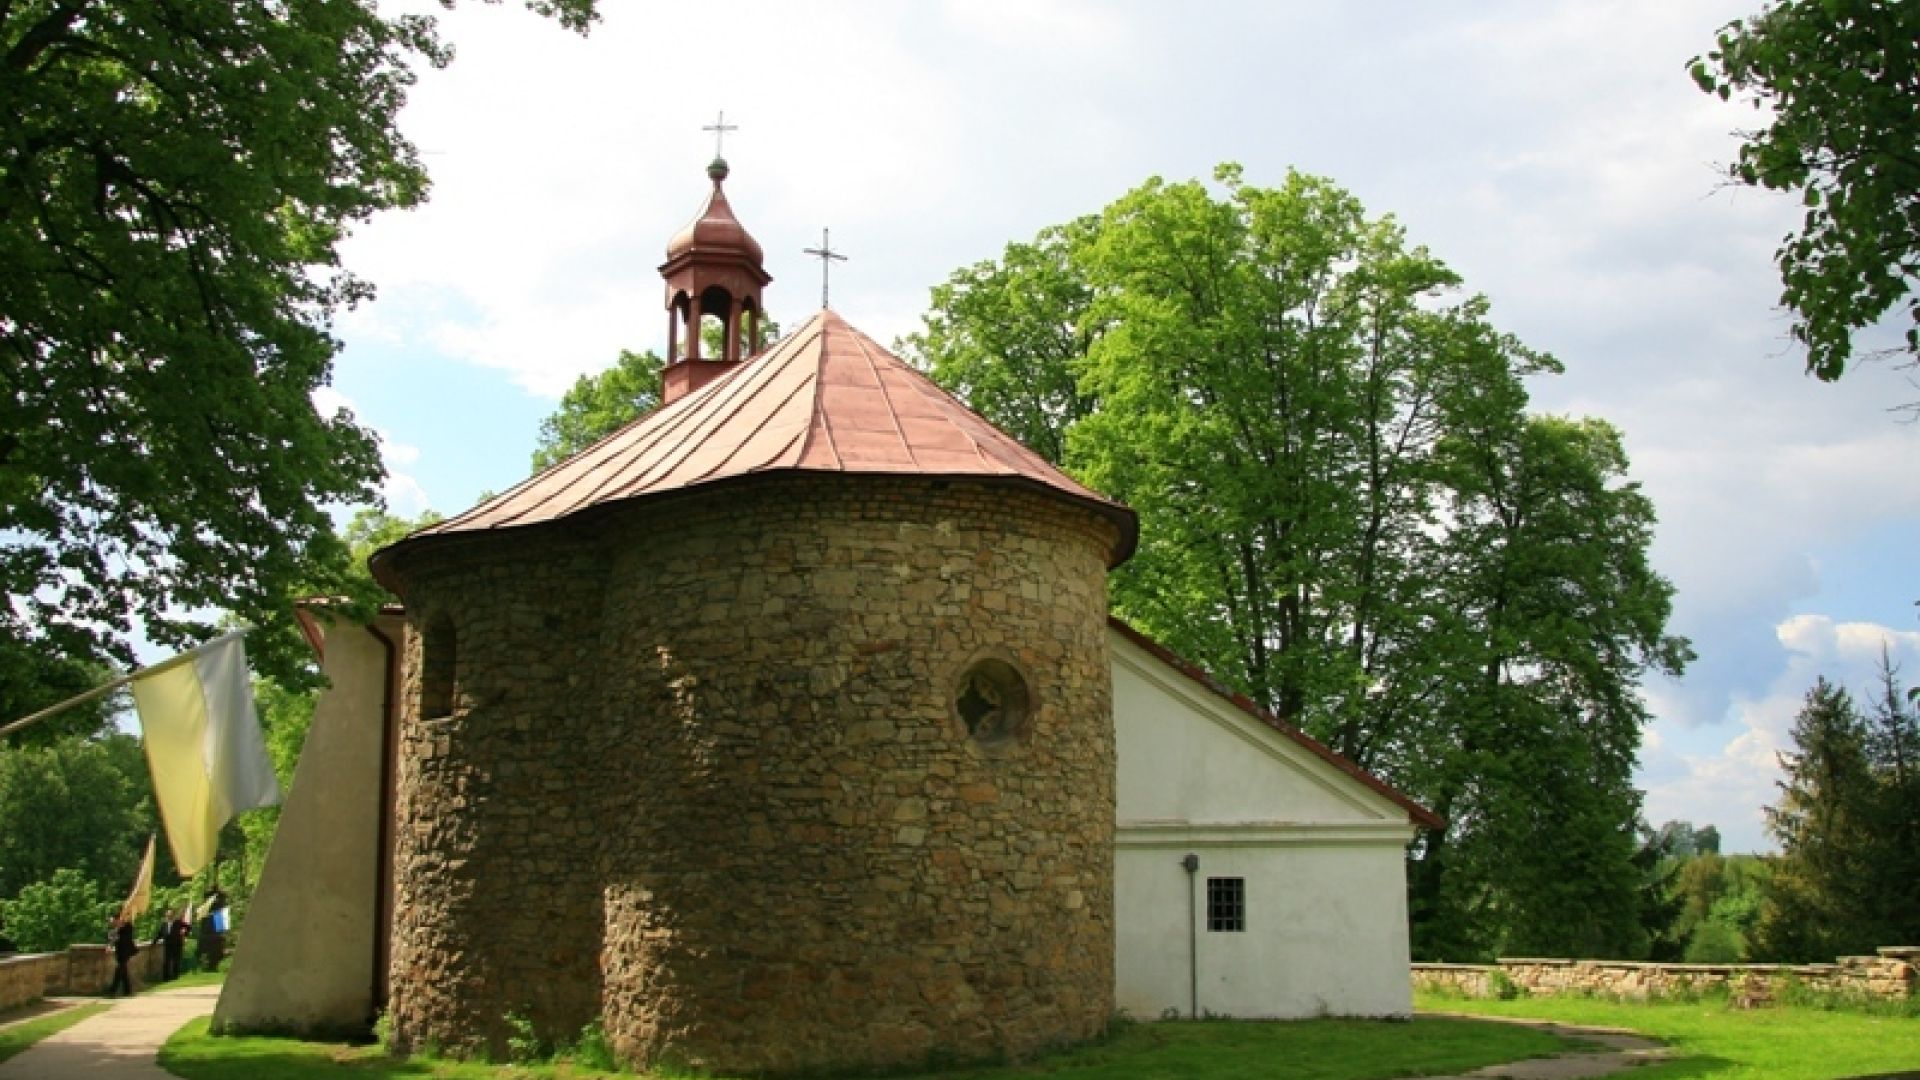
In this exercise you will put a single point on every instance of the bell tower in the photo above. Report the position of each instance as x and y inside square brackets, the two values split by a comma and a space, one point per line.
[713, 268]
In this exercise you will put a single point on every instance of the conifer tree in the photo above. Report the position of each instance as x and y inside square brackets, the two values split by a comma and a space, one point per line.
[1817, 902]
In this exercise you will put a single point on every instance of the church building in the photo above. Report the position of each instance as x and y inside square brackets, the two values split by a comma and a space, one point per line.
[786, 728]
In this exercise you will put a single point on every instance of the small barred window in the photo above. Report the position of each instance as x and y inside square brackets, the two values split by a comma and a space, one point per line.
[1227, 904]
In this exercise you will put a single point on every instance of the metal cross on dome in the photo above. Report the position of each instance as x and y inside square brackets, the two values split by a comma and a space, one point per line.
[827, 257]
[719, 127]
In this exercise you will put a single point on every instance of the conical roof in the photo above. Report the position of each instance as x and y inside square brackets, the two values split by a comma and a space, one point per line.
[714, 230]
[825, 399]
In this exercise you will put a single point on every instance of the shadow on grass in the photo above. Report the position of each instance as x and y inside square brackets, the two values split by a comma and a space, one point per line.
[1686, 1068]
[1216, 1050]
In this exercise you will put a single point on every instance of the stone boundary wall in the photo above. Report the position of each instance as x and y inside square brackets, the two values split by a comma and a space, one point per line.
[1894, 973]
[81, 969]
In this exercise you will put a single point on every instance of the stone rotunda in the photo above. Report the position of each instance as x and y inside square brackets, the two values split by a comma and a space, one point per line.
[774, 730]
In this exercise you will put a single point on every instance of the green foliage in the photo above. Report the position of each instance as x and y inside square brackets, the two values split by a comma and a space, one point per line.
[286, 711]
[1011, 338]
[1838, 82]
[1848, 823]
[1500, 987]
[1660, 901]
[1347, 513]
[598, 405]
[175, 176]
[1719, 899]
[65, 909]
[78, 804]
[32, 680]
[524, 1044]
[593, 1050]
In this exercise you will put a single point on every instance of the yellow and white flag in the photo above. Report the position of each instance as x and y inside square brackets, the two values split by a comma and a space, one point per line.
[142, 895]
[204, 746]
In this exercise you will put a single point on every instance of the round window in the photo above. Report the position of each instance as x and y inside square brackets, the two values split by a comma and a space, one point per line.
[993, 702]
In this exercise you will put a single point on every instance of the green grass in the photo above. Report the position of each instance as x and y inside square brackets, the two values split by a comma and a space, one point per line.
[17, 1037]
[1220, 1050]
[1720, 1043]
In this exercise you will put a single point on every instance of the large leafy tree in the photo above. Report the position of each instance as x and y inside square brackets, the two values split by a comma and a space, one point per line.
[79, 804]
[174, 178]
[1347, 512]
[1011, 335]
[1839, 84]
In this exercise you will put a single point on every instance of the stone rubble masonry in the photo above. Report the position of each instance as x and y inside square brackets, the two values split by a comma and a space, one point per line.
[703, 778]
[79, 969]
[1894, 973]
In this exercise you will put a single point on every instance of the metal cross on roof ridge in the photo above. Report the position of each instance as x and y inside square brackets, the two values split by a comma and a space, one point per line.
[719, 127]
[826, 255]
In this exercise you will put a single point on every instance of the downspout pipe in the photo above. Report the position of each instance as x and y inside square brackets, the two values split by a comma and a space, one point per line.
[383, 854]
[1191, 864]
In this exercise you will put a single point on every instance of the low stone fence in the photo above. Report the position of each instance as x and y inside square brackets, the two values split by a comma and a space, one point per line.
[80, 969]
[1893, 974]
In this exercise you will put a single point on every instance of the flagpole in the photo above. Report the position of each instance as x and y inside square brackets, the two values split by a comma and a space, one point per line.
[108, 688]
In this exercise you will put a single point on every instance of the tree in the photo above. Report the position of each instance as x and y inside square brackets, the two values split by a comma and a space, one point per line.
[1817, 905]
[174, 178]
[78, 804]
[598, 405]
[1893, 748]
[286, 711]
[66, 909]
[1011, 337]
[1840, 80]
[1555, 613]
[1346, 513]
[1848, 823]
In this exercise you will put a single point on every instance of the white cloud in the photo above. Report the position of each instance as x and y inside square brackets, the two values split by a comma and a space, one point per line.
[405, 497]
[1704, 776]
[403, 492]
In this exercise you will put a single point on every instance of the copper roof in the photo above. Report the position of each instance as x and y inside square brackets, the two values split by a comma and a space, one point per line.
[714, 229]
[825, 399]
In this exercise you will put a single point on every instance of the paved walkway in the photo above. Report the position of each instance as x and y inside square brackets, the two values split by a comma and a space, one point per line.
[118, 1044]
[1619, 1051]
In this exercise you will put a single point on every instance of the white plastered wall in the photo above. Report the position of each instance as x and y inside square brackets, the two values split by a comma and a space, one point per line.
[1321, 854]
[306, 955]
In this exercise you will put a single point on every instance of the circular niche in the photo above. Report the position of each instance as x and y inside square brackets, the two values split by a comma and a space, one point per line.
[993, 702]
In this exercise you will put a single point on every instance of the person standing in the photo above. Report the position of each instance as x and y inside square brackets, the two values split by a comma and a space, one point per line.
[172, 940]
[124, 950]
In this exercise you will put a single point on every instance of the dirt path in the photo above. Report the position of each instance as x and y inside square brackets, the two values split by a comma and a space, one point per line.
[118, 1044]
[1618, 1051]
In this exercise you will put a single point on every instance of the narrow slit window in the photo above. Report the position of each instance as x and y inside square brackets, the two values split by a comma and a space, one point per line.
[437, 667]
[1226, 905]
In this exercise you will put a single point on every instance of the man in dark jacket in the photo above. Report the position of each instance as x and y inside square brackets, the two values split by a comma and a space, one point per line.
[172, 940]
[124, 950]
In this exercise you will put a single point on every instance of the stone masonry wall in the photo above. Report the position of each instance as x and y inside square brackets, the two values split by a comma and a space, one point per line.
[498, 818]
[1893, 974]
[80, 969]
[706, 770]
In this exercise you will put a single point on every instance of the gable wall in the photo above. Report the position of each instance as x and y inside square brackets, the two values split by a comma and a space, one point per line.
[1321, 855]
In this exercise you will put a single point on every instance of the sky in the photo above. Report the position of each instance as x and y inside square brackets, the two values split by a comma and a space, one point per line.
[1555, 154]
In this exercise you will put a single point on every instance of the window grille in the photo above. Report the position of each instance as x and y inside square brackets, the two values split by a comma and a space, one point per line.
[1226, 904]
